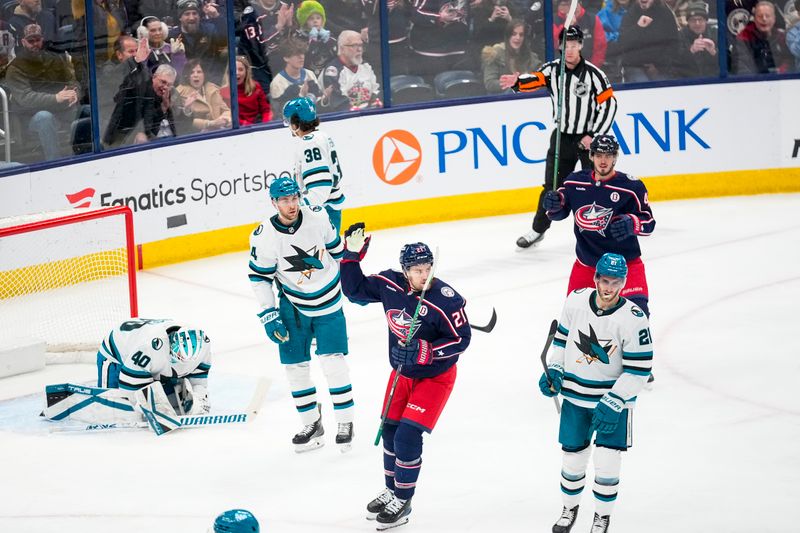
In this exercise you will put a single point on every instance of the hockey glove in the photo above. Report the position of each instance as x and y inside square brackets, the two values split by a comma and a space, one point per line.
[606, 414]
[418, 352]
[198, 402]
[623, 227]
[273, 325]
[550, 383]
[355, 242]
[553, 201]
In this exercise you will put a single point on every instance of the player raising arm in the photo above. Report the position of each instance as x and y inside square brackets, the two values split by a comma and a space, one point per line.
[428, 361]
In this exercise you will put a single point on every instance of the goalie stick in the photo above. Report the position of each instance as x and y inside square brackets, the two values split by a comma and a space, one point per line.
[488, 327]
[550, 336]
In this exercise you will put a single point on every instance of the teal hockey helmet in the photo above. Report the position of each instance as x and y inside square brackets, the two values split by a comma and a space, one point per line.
[283, 187]
[236, 521]
[303, 108]
[612, 266]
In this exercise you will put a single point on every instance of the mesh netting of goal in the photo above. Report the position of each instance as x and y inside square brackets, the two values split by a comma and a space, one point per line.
[68, 277]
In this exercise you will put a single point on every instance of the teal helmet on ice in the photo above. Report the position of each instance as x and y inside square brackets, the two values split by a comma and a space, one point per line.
[612, 266]
[303, 108]
[236, 521]
[283, 187]
[188, 348]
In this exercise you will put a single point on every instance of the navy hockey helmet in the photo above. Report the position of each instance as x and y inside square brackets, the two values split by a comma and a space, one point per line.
[236, 521]
[304, 108]
[612, 266]
[604, 144]
[574, 33]
[416, 253]
[283, 187]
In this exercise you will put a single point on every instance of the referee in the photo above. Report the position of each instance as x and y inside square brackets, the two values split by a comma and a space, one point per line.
[589, 109]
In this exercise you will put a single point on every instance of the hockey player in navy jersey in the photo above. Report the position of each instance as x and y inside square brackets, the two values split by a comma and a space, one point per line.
[428, 361]
[316, 164]
[601, 358]
[296, 252]
[611, 211]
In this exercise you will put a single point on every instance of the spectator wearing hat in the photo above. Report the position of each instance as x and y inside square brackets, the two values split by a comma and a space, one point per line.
[43, 90]
[697, 57]
[201, 39]
[294, 81]
[648, 42]
[156, 32]
[793, 35]
[30, 12]
[321, 45]
[348, 83]
[594, 37]
[760, 48]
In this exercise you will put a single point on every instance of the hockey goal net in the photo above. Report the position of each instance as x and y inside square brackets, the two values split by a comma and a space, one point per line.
[67, 278]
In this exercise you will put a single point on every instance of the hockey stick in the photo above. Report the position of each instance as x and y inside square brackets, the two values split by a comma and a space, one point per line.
[406, 342]
[562, 82]
[550, 336]
[488, 327]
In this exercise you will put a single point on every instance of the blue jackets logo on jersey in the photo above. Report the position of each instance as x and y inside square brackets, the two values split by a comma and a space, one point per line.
[305, 262]
[594, 349]
[593, 218]
[400, 322]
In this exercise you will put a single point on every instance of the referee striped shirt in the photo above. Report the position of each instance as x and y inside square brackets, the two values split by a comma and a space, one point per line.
[589, 104]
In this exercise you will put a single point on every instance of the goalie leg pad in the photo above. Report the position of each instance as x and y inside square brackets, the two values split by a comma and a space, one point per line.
[607, 465]
[303, 390]
[337, 372]
[153, 403]
[107, 372]
[573, 476]
[88, 404]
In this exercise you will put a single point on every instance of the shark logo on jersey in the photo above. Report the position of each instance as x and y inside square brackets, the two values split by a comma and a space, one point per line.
[592, 348]
[593, 218]
[157, 343]
[304, 262]
[400, 322]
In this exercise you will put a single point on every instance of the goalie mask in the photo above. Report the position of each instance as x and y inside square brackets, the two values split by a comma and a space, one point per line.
[188, 348]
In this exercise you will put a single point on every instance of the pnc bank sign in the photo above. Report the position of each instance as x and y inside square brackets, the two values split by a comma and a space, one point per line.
[398, 154]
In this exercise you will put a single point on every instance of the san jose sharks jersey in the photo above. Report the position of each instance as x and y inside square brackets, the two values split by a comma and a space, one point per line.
[442, 320]
[301, 260]
[317, 170]
[601, 350]
[141, 346]
[595, 204]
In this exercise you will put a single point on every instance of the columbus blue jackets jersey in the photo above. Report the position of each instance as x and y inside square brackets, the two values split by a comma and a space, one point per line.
[317, 170]
[601, 350]
[595, 204]
[141, 347]
[301, 259]
[442, 320]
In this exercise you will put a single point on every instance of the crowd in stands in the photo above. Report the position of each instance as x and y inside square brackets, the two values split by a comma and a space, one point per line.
[162, 65]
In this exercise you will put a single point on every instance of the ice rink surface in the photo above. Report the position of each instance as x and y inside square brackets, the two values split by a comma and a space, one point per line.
[715, 442]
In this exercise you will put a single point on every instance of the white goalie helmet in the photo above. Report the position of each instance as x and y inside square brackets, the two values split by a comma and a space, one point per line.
[187, 347]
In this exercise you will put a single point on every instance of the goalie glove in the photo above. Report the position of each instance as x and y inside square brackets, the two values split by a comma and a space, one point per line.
[194, 399]
[418, 352]
[356, 242]
[273, 325]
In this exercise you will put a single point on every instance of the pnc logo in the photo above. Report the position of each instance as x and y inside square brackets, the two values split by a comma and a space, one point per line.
[81, 198]
[396, 157]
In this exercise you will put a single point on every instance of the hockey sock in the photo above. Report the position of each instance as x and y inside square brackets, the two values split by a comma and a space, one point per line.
[389, 458]
[573, 476]
[303, 391]
[408, 449]
[336, 371]
[607, 464]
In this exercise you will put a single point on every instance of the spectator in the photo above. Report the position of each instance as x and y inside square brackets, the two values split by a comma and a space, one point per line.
[347, 15]
[511, 56]
[209, 110]
[6, 45]
[30, 12]
[594, 37]
[793, 35]
[252, 45]
[397, 35]
[490, 20]
[348, 83]
[275, 20]
[164, 10]
[679, 8]
[109, 21]
[760, 48]
[321, 46]
[611, 18]
[201, 39]
[439, 36]
[253, 104]
[157, 32]
[294, 81]
[648, 41]
[111, 74]
[698, 45]
[43, 90]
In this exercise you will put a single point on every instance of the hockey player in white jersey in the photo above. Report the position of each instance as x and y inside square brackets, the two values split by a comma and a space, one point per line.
[296, 252]
[602, 356]
[316, 164]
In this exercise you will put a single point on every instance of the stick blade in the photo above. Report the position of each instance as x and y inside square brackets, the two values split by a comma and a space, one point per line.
[488, 327]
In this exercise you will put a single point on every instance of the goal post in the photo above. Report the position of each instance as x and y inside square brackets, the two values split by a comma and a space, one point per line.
[68, 277]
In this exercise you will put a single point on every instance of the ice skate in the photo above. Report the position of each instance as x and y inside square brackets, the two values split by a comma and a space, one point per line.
[394, 514]
[379, 503]
[344, 436]
[600, 524]
[531, 238]
[566, 520]
[310, 437]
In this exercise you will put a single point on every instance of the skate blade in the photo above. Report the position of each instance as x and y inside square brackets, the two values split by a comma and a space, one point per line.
[371, 516]
[310, 446]
[381, 527]
[344, 448]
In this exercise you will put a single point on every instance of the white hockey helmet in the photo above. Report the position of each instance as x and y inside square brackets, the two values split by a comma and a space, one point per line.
[187, 347]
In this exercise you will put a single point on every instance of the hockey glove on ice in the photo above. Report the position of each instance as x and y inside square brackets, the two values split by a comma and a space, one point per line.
[418, 352]
[553, 379]
[355, 242]
[606, 414]
[553, 201]
[273, 325]
[623, 227]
